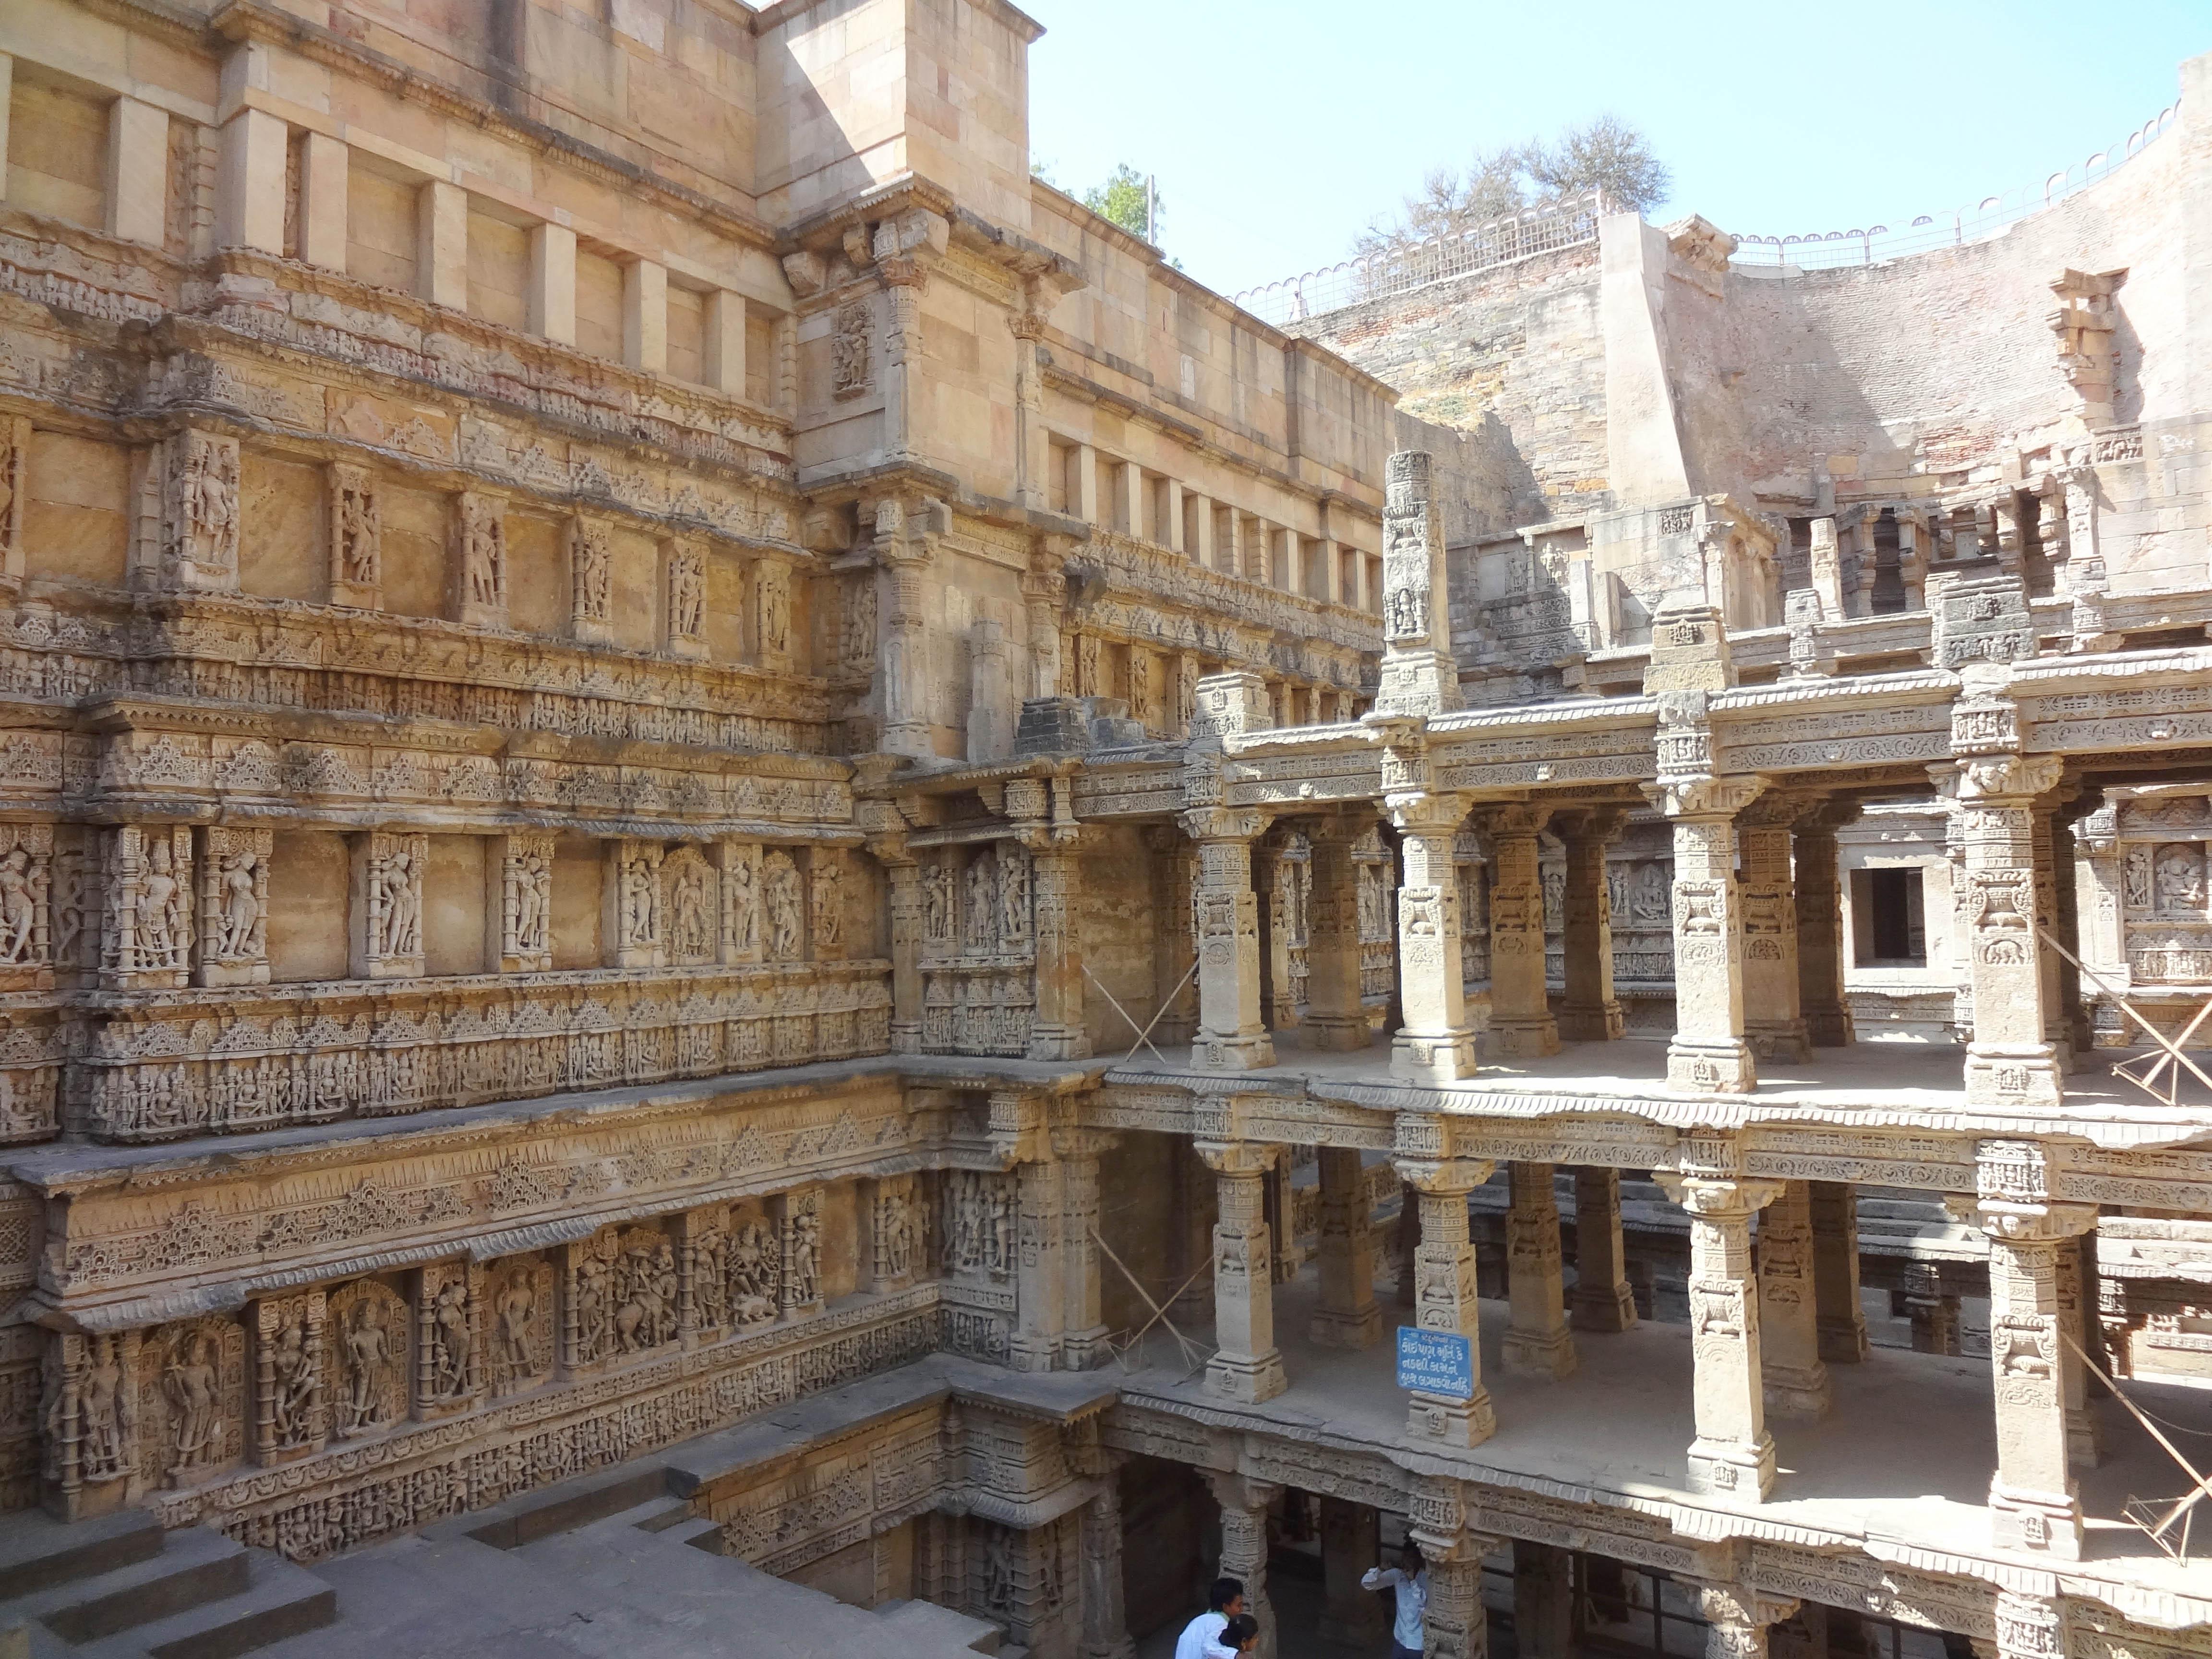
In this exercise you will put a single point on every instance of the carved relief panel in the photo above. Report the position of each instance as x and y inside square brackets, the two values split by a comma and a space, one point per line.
[291, 1414]
[385, 911]
[479, 561]
[623, 1288]
[591, 581]
[895, 1241]
[633, 904]
[826, 906]
[753, 1267]
[356, 532]
[978, 1225]
[26, 884]
[524, 944]
[191, 1389]
[199, 513]
[797, 1215]
[684, 599]
[740, 871]
[450, 1309]
[89, 1420]
[145, 922]
[234, 920]
[783, 908]
[370, 1353]
[518, 1322]
[692, 904]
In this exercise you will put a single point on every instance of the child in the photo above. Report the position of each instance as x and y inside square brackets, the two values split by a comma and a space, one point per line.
[1240, 1635]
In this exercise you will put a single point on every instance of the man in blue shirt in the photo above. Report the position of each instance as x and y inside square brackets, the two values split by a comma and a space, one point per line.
[1410, 1579]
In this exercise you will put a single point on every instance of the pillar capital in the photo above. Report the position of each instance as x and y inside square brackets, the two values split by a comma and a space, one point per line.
[1444, 1176]
[2008, 779]
[1426, 814]
[1712, 1198]
[1238, 1157]
[1511, 818]
[1703, 797]
[1598, 824]
[1203, 823]
[2015, 1222]
[1740, 1617]
[1233, 1491]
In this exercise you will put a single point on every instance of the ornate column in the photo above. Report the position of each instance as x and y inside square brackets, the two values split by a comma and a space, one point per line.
[2033, 1504]
[1279, 881]
[1248, 1367]
[1040, 1289]
[904, 281]
[1821, 1002]
[1842, 1320]
[1543, 1600]
[1796, 1382]
[1454, 1625]
[1521, 1026]
[2066, 912]
[1589, 1012]
[1443, 1284]
[1244, 1504]
[2010, 1060]
[2076, 1281]
[1083, 1344]
[885, 828]
[2058, 1028]
[1536, 1339]
[1347, 1316]
[1174, 883]
[1739, 1619]
[1105, 1619]
[1059, 1030]
[2099, 906]
[1231, 1035]
[1032, 444]
[903, 548]
[1604, 1300]
[1335, 1017]
[1419, 675]
[1045, 591]
[1733, 1454]
[1773, 1025]
[1436, 1044]
[1708, 1053]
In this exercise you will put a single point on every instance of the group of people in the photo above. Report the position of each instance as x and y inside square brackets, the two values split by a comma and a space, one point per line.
[1225, 1630]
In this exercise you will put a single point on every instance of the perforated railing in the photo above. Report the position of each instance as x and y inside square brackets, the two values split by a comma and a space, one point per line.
[1972, 222]
[1400, 270]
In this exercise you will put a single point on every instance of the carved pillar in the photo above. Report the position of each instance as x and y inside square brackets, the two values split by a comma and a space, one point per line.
[1739, 1619]
[1732, 1453]
[1248, 1367]
[1083, 1342]
[2057, 1030]
[1436, 1044]
[1351, 1543]
[1932, 1306]
[1589, 1012]
[2066, 923]
[902, 876]
[1543, 1600]
[1032, 443]
[1835, 1208]
[1040, 1289]
[387, 906]
[1537, 1340]
[2098, 907]
[1773, 1025]
[1347, 1316]
[2010, 1061]
[1244, 1504]
[1060, 1030]
[1335, 1017]
[233, 936]
[1419, 675]
[1174, 885]
[904, 281]
[1796, 1382]
[1443, 1294]
[1105, 1619]
[1826, 1011]
[1521, 1026]
[356, 536]
[1604, 1300]
[477, 573]
[1231, 1037]
[1454, 1623]
[903, 550]
[2084, 1443]
[1708, 1053]
[1279, 875]
[15, 471]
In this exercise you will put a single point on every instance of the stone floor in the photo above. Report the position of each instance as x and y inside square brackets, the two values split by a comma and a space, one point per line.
[1904, 1454]
[1908, 1078]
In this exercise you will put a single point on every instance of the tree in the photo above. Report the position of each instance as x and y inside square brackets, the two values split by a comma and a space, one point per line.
[1606, 154]
[1128, 198]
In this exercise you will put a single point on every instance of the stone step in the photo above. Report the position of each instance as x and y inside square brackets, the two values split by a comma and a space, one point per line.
[196, 1565]
[910, 1621]
[279, 1600]
[38, 1552]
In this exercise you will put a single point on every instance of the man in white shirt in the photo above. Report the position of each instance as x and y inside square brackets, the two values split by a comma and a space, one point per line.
[1225, 1600]
[1410, 1579]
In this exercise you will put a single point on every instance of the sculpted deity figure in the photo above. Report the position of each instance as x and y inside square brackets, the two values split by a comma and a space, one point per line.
[357, 536]
[592, 571]
[515, 1314]
[591, 1292]
[294, 1373]
[100, 1407]
[191, 1383]
[533, 893]
[691, 930]
[450, 1339]
[1013, 891]
[483, 551]
[936, 901]
[744, 877]
[1651, 904]
[23, 887]
[983, 902]
[774, 593]
[687, 595]
[780, 896]
[641, 902]
[239, 915]
[804, 1279]
[754, 1280]
[401, 904]
[161, 932]
[369, 1357]
[2180, 875]
[829, 899]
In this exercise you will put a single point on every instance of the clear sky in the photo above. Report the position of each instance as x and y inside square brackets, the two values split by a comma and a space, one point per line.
[1278, 130]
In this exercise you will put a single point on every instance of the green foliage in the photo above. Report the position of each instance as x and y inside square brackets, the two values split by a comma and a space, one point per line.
[1123, 199]
[1606, 155]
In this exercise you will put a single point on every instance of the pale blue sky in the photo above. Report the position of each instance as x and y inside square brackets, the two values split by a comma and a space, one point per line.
[1278, 130]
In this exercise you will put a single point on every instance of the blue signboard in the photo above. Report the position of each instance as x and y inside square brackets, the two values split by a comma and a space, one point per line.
[1436, 1362]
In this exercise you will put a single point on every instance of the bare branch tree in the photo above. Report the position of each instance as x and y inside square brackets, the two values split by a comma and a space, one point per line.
[1606, 154]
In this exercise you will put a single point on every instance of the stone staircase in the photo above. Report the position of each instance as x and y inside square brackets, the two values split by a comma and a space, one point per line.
[120, 1587]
